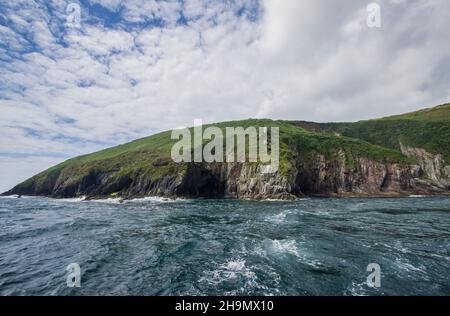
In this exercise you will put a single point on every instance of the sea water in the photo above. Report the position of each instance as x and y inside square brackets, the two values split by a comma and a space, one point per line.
[224, 247]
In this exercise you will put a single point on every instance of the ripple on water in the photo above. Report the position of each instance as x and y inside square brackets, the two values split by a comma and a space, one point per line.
[158, 247]
[238, 278]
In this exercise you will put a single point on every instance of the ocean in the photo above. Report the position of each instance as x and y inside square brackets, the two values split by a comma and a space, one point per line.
[314, 246]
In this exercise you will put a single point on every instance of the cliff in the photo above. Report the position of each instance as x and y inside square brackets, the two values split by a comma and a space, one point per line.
[326, 159]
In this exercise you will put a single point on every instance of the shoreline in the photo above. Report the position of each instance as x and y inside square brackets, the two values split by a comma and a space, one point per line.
[269, 199]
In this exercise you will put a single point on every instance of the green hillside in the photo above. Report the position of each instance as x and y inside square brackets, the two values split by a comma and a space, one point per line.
[428, 129]
[151, 155]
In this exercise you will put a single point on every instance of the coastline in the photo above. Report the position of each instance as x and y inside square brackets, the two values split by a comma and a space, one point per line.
[172, 198]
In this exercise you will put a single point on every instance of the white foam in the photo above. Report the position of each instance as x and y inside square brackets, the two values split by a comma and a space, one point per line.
[358, 289]
[155, 199]
[408, 267]
[9, 197]
[396, 247]
[229, 270]
[78, 199]
[15, 196]
[278, 218]
[315, 212]
[286, 246]
[281, 200]
[237, 272]
[237, 265]
[290, 247]
[109, 200]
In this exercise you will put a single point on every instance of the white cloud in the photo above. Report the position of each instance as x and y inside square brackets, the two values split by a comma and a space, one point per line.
[306, 60]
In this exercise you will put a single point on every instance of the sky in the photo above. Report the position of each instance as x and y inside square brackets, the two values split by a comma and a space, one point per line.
[128, 69]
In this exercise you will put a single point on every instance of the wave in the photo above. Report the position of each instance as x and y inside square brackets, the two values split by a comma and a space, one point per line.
[236, 274]
[287, 247]
[277, 218]
[405, 266]
[16, 196]
[315, 212]
[396, 247]
[78, 199]
[156, 199]
[281, 200]
[148, 199]
[359, 289]
[109, 200]
[229, 270]
[9, 197]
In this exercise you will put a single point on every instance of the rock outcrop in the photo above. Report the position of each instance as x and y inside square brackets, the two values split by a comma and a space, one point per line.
[435, 172]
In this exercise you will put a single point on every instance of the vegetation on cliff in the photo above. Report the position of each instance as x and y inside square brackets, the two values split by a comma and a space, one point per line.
[428, 129]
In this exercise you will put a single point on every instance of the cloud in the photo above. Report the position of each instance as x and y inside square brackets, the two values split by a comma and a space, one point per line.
[137, 67]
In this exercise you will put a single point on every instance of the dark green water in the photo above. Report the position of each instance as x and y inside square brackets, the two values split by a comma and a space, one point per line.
[153, 247]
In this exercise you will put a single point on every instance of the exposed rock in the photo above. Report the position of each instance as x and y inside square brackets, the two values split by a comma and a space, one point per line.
[311, 175]
[237, 180]
[447, 171]
[433, 166]
[331, 177]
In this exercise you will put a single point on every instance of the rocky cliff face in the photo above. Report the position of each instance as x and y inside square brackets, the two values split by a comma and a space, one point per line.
[435, 172]
[240, 181]
[366, 177]
[314, 174]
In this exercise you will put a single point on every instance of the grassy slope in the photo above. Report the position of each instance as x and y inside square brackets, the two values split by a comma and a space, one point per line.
[428, 129]
[137, 156]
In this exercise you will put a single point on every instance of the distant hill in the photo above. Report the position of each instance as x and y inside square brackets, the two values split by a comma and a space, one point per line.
[428, 129]
[397, 155]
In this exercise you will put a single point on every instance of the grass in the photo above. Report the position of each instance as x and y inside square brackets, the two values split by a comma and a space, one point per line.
[428, 129]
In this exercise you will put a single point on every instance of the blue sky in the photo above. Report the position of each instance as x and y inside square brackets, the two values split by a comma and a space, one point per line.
[133, 68]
